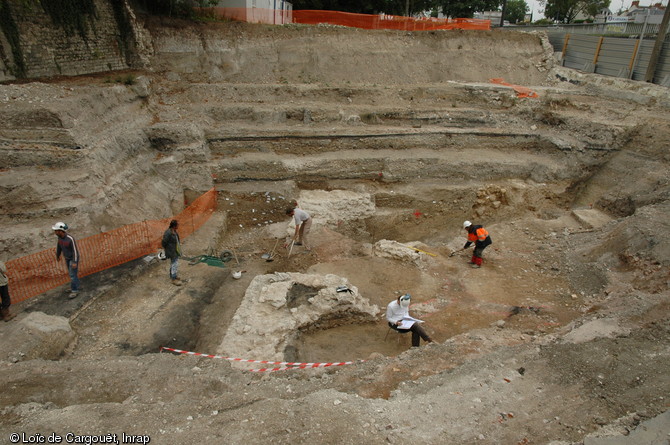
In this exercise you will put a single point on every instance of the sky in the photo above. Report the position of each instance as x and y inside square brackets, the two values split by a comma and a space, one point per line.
[615, 5]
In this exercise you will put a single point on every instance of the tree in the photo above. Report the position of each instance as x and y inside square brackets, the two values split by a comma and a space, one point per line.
[515, 11]
[466, 8]
[566, 10]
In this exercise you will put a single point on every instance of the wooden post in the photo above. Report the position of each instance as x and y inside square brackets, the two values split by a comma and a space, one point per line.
[595, 56]
[565, 48]
[633, 59]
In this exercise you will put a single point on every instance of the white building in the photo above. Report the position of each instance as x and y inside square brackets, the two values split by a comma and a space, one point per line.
[277, 12]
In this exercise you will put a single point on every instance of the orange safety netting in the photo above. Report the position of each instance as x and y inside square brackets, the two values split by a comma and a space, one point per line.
[365, 21]
[384, 21]
[520, 91]
[36, 273]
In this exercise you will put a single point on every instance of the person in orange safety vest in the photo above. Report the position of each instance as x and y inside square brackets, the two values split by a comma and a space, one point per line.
[478, 235]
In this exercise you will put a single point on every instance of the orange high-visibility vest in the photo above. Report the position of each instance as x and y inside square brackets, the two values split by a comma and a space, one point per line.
[479, 234]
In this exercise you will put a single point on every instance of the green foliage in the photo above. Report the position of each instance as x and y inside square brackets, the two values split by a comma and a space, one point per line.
[11, 31]
[515, 11]
[127, 79]
[566, 10]
[466, 8]
[71, 15]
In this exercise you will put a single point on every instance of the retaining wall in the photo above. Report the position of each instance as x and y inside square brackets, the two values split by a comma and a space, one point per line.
[32, 46]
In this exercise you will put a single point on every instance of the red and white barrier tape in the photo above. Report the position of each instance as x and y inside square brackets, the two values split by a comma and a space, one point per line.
[288, 365]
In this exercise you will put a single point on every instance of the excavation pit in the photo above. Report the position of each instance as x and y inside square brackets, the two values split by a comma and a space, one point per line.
[390, 145]
[386, 239]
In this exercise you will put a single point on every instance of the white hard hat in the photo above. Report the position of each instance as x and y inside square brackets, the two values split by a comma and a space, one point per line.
[237, 275]
[466, 224]
[59, 226]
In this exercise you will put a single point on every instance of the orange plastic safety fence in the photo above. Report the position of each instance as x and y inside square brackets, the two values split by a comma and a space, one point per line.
[365, 21]
[383, 21]
[34, 274]
[520, 91]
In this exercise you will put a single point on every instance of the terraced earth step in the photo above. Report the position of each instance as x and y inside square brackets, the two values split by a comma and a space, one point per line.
[455, 165]
[452, 94]
[361, 114]
[591, 218]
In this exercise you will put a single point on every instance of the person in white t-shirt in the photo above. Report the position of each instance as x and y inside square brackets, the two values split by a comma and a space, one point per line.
[396, 311]
[303, 222]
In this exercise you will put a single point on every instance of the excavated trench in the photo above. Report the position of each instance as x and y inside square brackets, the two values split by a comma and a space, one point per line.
[413, 177]
[428, 211]
[422, 185]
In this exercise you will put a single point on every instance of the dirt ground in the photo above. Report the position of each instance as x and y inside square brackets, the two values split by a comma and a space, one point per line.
[560, 338]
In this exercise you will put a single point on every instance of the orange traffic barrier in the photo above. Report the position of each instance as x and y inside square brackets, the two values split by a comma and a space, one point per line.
[520, 91]
[34, 274]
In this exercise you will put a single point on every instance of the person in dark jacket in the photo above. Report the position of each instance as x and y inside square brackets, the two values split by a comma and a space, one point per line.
[172, 247]
[67, 246]
[478, 235]
[4, 293]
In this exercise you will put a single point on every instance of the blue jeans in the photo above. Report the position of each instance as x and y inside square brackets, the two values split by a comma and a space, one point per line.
[174, 267]
[74, 279]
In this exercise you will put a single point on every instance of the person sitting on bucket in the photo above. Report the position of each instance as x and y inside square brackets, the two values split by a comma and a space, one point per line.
[397, 315]
[478, 235]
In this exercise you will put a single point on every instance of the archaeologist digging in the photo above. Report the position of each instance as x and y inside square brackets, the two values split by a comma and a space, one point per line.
[397, 315]
[172, 246]
[303, 222]
[478, 235]
[68, 247]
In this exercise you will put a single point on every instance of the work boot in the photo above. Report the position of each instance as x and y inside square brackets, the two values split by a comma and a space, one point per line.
[176, 282]
[73, 294]
[6, 315]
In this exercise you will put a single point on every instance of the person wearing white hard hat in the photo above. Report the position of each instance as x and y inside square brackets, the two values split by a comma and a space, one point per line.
[478, 235]
[68, 247]
[397, 315]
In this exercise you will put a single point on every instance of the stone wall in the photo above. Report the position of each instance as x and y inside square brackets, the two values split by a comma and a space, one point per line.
[111, 42]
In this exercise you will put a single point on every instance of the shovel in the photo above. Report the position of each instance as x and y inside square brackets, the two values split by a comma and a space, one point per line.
[456, 251]
[269, 257]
